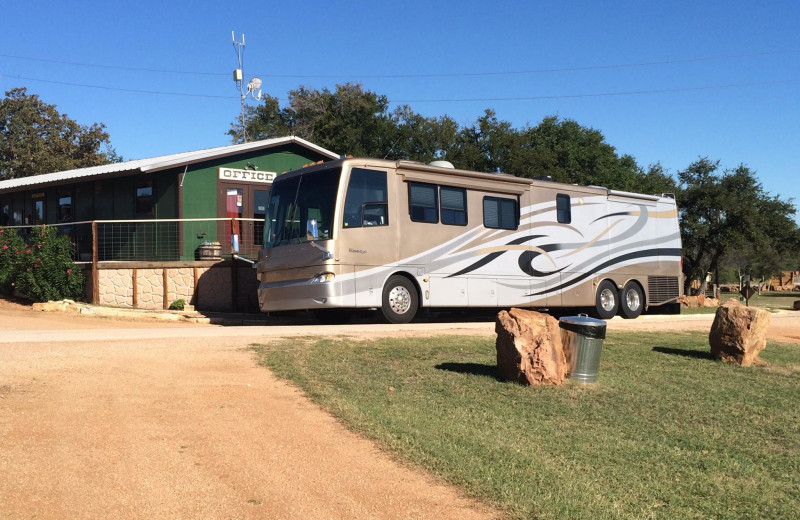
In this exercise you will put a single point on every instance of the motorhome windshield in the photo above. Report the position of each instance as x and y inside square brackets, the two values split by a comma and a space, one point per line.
[294, 200]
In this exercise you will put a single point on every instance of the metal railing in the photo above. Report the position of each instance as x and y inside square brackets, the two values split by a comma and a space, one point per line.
[159, 240]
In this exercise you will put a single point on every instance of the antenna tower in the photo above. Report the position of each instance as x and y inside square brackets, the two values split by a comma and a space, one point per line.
[238, 78]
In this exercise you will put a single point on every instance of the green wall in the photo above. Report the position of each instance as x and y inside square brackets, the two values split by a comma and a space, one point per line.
[200, 187]
[200, 182]
[115, 198]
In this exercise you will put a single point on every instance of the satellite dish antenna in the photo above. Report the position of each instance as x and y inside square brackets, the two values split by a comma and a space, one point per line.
[253, 85]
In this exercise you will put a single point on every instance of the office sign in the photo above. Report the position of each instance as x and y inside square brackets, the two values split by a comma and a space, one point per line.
[232, 174]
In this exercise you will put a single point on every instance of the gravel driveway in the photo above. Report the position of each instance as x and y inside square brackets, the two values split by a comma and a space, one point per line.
[102, 418]
[168, 427]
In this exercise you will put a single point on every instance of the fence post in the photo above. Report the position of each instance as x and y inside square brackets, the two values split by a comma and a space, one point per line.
[135, 283]
[165, 283]
[234, 286]
[95, 276]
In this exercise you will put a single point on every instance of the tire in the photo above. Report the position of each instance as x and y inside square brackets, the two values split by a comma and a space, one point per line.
[606, 300]
[631, 301]
[400, 300]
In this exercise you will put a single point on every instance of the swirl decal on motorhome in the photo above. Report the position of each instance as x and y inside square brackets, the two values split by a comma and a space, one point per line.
[610, 263]
[496, 253]
[529, 254]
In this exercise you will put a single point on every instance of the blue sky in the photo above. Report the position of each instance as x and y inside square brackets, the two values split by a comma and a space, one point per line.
[664, 82]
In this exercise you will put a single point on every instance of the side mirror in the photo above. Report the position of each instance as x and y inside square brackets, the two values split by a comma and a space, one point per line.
[312, 231]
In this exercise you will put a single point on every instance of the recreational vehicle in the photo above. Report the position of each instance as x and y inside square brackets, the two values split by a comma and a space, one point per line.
[399, 236]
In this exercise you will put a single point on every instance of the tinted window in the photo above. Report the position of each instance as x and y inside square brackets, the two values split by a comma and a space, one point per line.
[144, 199]
[65, 209]
[422, 202]
[563, 209]
[365, 202]
[38, 211]
[295, 200]
[454, 205]
[500, 213]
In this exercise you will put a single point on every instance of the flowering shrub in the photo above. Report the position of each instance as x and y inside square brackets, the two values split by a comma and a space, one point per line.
[43, 269]
[11, 247]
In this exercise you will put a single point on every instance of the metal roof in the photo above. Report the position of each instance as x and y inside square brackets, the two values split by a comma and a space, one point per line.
[163, 162]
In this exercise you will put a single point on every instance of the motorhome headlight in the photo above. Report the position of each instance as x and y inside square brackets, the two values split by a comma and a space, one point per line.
[323, 278]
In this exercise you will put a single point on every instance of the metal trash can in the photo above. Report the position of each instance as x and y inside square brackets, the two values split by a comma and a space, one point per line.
[582, 338]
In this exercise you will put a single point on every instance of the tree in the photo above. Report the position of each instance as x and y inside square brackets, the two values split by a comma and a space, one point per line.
[562, 149]
[35, 138]
[572, 153]
[263, 121]
[488, 145]
[418, 138]
[348, 120]
[727, 211]
[351, 120]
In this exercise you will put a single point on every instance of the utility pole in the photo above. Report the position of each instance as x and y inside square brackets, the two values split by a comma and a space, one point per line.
[238, 78]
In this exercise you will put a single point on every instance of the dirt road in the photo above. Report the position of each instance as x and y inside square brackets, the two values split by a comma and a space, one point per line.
[162, 426]
[101, 418]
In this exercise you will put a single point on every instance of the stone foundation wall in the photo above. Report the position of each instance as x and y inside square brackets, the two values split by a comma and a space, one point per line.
[224, 286]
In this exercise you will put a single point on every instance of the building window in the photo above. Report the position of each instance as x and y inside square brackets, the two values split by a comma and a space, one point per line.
[500, 213]
[5, 213]
[366, 200]
[454, 205]
[144, 199]
[422, 202]
[563, 209]
[65, 208]
[260, 200]
[38, 209]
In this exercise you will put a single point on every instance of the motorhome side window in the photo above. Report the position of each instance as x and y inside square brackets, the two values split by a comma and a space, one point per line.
[563, 209]
[454, 205]
[366, 202]
[500, 213]
[422, 202]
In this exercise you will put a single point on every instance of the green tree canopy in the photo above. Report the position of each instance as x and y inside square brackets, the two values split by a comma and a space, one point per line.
[353, 121]
[348, 120]
[35, 138]
[728, 211]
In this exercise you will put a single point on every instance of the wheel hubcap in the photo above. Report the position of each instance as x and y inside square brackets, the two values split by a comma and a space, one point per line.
[607, 299]
[632, 300]
[399, 299]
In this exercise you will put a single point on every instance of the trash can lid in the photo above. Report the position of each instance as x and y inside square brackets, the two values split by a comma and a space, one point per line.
[584, 325]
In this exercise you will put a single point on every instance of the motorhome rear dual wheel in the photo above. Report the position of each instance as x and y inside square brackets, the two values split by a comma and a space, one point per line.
[631, 301]
[606, 300]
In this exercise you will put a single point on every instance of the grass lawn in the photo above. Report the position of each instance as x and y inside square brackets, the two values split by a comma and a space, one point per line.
[773, 300]
[699, 310]
[667, 432]
[770, 301]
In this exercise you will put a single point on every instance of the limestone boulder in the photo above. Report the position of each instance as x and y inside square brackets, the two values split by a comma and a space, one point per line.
[711, 302]
[529, 349]
[691, 302]
[56, 306]
[738, 333]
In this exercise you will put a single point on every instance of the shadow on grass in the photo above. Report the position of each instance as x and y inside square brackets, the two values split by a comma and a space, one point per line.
[696, 354]
[475, 369]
